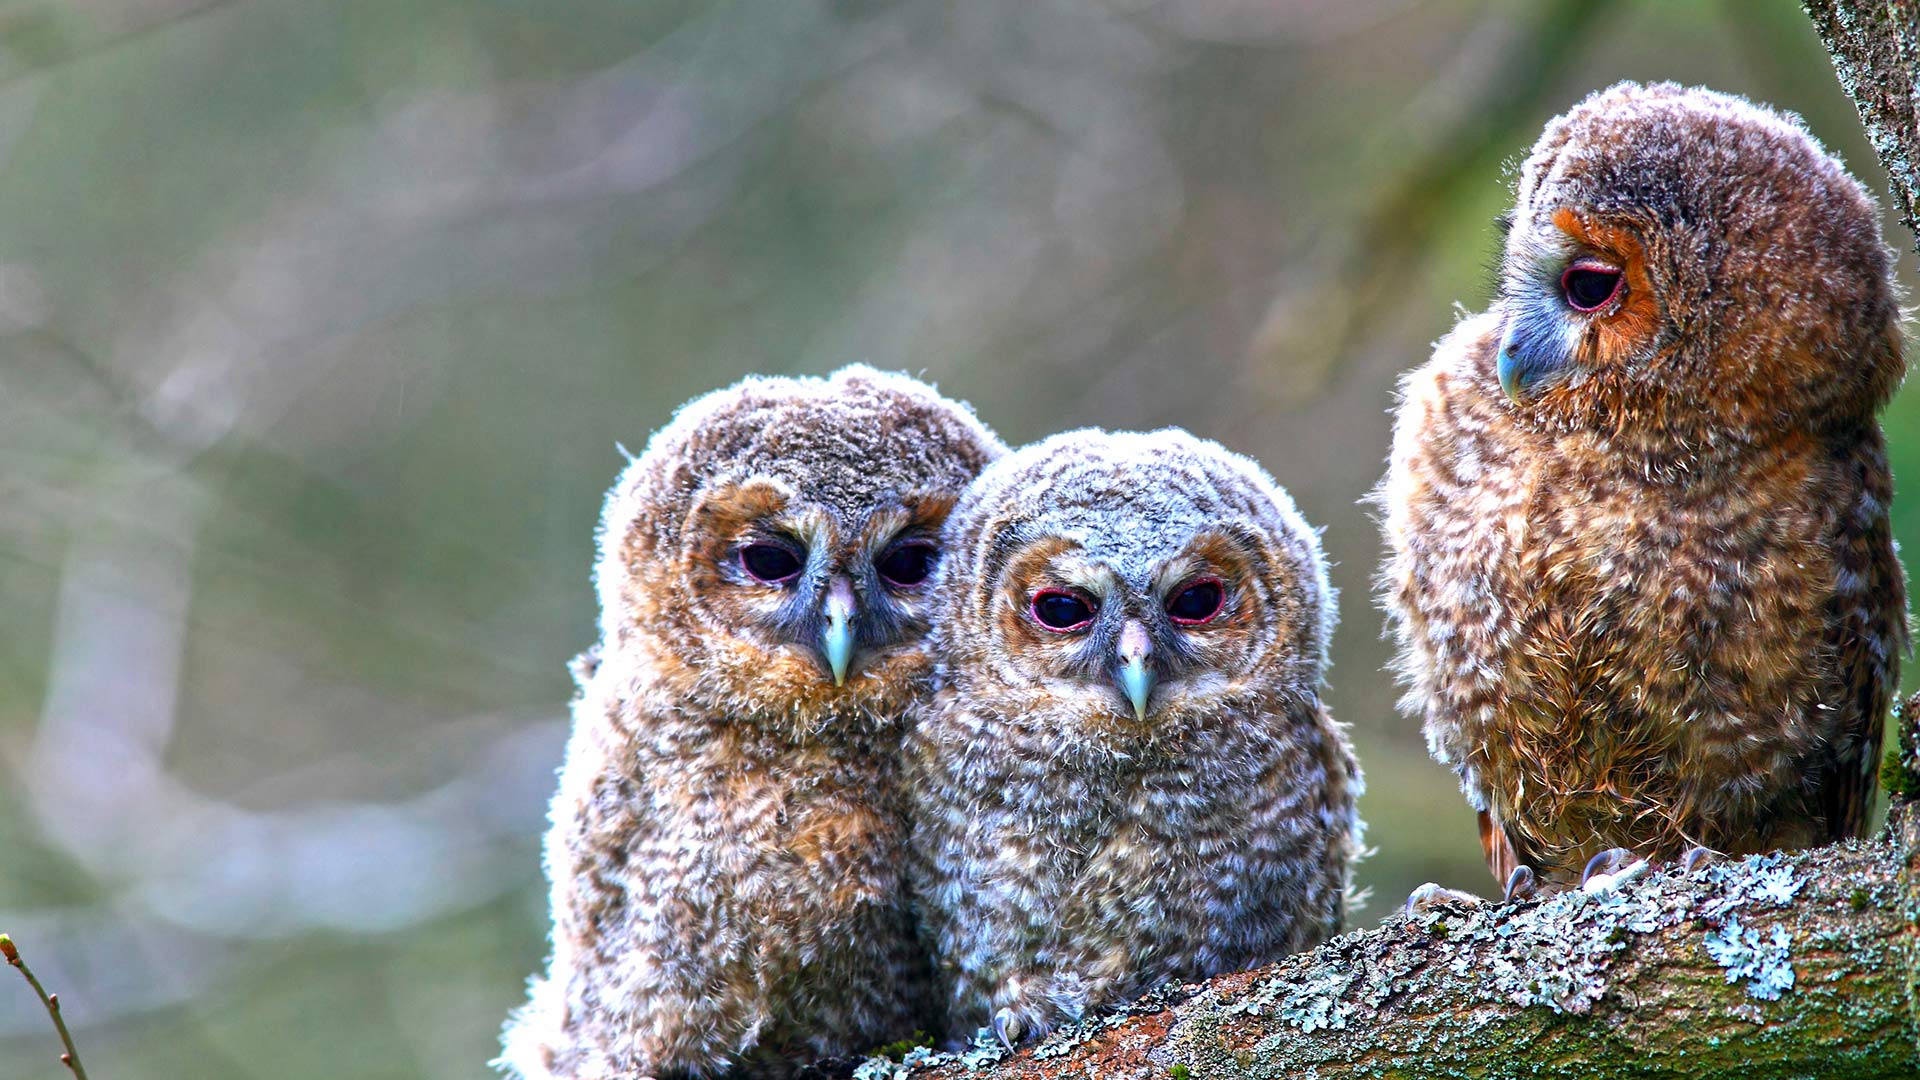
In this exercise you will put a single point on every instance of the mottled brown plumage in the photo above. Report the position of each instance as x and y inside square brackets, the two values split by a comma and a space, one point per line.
[1641, 571]
[728, 838]
[1149, 793]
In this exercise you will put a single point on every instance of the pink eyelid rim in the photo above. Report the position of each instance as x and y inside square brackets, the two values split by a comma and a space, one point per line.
[1033, 610]
[1217, 608]
[1619, 279]
[748, 570]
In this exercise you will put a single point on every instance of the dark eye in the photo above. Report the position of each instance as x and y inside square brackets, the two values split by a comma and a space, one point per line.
[1589, 286]
[1061, 611]
[1199, 601]
[771, 563]
[908, 563]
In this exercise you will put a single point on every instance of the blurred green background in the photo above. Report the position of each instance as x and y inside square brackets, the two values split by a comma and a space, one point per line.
[320, 322]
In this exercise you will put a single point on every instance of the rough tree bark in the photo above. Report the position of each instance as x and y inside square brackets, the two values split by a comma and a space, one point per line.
[1875, 45]
[1775, 967]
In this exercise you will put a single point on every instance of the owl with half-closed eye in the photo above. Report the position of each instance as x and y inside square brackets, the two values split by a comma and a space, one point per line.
[1126, 775]
[729, 835]
[1641, 568]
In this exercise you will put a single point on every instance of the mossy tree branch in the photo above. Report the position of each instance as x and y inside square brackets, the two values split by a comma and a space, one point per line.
[1779, 966]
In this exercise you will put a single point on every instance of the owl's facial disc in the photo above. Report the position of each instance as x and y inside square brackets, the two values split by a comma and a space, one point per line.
[843, 591]
[1575, 300]
[1142, 635]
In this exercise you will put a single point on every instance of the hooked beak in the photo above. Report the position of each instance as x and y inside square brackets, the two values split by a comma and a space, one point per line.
[1509, 373]
[837, 641]
[1136, 679]
[1533, 351]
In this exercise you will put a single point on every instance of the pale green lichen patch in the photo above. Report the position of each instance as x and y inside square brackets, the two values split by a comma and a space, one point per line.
[984, 1051]
[1558, 953]
[1565, 969]
[1667, 975]
[1760, 879]
[1777, 885]
[1311, 1004]
[1065, 1040]
[1748, 954]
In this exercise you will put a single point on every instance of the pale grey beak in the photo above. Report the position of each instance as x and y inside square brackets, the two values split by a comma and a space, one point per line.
[837, 641]
[1135, 677]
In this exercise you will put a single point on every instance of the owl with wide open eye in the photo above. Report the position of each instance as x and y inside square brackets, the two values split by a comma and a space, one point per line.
[1641, 567]
[729, 834]
[1126, 774]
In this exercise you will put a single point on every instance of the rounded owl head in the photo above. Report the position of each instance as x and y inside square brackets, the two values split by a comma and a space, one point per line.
[1683, 261]
[769, 556]
[1107, 587]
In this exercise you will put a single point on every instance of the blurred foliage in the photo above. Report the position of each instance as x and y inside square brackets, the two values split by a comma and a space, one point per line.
[320, 323]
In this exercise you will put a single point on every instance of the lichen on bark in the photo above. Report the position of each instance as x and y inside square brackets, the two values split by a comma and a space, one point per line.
[1875, 46]
[1775, 966]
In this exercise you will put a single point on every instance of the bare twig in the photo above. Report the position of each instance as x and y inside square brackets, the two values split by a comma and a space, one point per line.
[71, 1058]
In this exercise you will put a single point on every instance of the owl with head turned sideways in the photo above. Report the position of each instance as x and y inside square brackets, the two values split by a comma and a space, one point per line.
[1125, 775]
[1640, 565]
[728, 836]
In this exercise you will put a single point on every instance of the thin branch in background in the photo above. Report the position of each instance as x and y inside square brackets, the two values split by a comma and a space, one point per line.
[71, 1059]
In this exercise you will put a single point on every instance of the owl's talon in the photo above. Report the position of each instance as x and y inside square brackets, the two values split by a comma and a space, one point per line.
[1611, 869]
[1429, 896]
[1008, 1028]
[1698, 857]
[1522, 884]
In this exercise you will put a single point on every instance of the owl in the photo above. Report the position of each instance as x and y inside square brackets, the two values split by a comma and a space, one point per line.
[1640, 568]
[729, 833]
[1125, 775]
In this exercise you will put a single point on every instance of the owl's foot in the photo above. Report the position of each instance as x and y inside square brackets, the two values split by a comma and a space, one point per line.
[1699, 857]
[1008, 1027]
[1430, 896]
[1522, 884]
[1611, 869]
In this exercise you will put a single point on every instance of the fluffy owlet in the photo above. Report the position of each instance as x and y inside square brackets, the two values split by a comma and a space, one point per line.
[1126, 775]
[729, 834]
[1641, 571]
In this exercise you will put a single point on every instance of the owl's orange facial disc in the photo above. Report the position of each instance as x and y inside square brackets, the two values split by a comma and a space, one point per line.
[1577, 301]
[1626, 321]
[816, 586]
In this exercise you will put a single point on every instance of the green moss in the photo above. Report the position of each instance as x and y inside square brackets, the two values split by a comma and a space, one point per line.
[901, 1048]
[1893, 776]
[1858, 901]
[1181, 1072]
